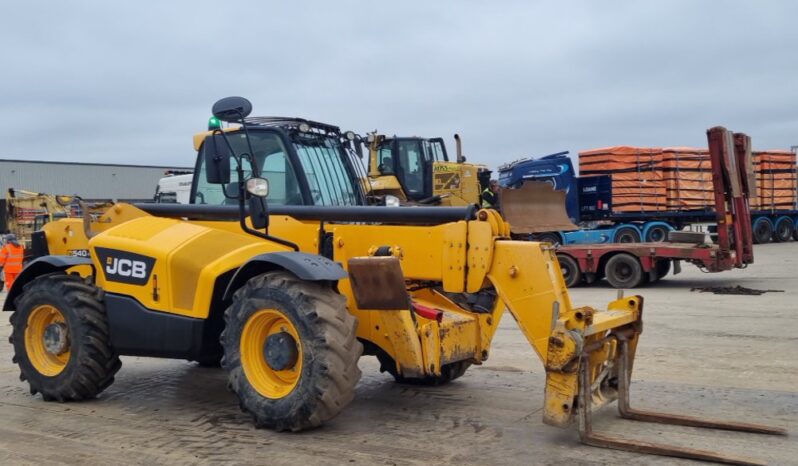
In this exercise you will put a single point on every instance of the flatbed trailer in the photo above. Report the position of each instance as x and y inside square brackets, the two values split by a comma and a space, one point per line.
[589, 205]
[628, 265]
[767, 225]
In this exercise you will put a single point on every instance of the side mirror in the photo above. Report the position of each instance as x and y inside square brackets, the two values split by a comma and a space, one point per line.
[358, 148]
[217, 159]
[232, 109]
[257, 212]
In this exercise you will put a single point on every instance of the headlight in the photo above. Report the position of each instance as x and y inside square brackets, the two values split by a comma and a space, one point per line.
[350, 135]
[391, 201]
[258, 187]
[370, 137]
[304, 127]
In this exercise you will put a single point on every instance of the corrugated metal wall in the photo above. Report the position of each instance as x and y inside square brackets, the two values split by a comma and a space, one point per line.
[90, 181]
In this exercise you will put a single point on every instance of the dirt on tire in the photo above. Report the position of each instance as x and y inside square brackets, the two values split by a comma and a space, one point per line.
[330, 351]
[93, 361]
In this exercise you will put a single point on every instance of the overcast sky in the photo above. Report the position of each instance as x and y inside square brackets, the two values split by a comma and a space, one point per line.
[131, 82]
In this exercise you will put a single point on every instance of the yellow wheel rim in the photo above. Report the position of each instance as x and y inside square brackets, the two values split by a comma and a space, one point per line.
[267, 381]
[44, 361]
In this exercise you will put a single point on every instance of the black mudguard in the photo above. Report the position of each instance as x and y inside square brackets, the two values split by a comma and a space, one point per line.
[305, 266]
[41, 266]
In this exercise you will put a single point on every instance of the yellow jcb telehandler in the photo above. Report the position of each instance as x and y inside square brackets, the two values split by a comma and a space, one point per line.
[288, 297]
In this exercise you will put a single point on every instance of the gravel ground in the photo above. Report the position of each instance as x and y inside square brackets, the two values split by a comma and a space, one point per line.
[714, 355]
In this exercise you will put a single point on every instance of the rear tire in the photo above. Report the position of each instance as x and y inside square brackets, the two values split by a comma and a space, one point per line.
[657, 234]
[449, 372]
[552, 238]
[624, 271]
[763, 231]
[61, 339]
[662, 268]
[570, 270]
[626, 235]
[784, 230]
[319, 379]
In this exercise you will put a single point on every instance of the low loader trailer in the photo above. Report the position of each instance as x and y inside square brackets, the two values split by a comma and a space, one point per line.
[628, 265]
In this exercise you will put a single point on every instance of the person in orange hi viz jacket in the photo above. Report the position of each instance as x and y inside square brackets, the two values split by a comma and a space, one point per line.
[11, 259]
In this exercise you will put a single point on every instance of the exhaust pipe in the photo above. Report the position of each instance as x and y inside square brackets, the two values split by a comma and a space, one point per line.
[459, 146]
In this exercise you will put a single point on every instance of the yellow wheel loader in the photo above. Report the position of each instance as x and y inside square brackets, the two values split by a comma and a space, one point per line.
[288, 297]
[414, 170]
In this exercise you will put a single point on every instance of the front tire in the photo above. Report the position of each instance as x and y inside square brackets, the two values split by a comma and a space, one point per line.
[61, 339]
[290, 351]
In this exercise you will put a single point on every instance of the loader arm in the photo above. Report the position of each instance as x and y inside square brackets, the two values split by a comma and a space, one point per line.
[528, 280]
[588, 354]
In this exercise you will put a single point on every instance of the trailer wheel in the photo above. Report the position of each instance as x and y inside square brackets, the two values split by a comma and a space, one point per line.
[552, 238]
[657, 234]
[795, 232]
[624, 271]
[570, 270]
[784, 230]
[663, 267]
[627, 235]
[763, 231]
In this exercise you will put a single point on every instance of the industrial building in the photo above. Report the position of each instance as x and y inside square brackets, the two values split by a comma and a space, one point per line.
[91, 181]
[87, 180]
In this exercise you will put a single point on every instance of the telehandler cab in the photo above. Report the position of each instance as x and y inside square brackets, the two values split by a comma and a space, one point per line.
[289, 297]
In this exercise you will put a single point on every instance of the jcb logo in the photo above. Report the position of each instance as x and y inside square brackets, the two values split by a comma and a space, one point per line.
[125, 267]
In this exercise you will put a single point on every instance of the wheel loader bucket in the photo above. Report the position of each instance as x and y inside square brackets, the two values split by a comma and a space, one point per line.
[535, 207]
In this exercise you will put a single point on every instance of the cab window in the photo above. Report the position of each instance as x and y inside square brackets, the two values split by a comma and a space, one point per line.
[270, 155]
[435, 150]
[385, 159]
[411, 161]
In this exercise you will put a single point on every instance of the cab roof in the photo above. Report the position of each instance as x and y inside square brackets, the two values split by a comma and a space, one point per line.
[288, 123]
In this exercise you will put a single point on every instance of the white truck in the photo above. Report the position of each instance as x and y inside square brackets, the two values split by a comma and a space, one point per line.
[174, 189]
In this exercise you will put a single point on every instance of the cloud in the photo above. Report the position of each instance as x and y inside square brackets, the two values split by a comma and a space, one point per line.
[128, 82]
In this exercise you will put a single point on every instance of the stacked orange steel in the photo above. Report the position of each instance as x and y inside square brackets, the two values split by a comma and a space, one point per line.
[775, 180]
[637, 177]
[655, 179]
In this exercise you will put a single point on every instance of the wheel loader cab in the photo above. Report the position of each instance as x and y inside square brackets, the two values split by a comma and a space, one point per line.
[411, 160]
[418, 171]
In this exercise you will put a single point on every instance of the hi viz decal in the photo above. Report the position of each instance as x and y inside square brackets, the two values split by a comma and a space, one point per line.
[125, 267]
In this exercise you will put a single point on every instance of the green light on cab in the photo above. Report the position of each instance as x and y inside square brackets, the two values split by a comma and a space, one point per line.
[214, 123]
